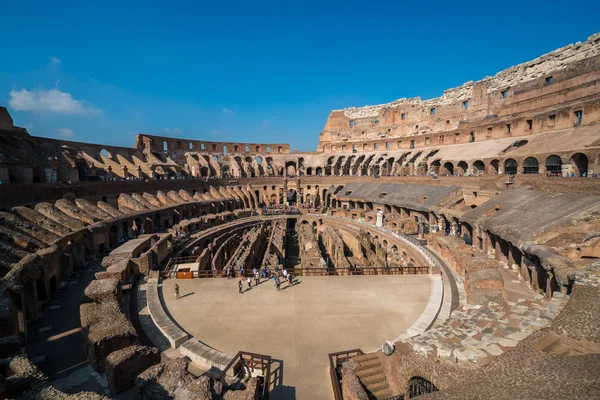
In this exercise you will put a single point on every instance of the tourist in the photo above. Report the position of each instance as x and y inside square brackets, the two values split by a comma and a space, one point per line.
[285, 273]
[176, 288]
[274, 280]
[256, 277]
[277, 284]
[240, 286]
[249, 282]
[276, 270]
[290, 279]
[241, 272]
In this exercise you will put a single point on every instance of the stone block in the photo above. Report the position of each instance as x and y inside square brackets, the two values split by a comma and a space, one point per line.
[123, 366]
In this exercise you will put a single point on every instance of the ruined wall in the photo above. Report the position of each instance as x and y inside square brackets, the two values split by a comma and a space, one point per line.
[478, 110]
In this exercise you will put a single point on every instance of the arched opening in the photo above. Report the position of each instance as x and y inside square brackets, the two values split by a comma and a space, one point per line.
[418, 386]
[580, 161]
[553, 165]
[479, 167]
[448, 168]
[290, 168]
[435, 167]
[510, 166]
[113, 237]
[258, 199]
[494, 164]
[148, 225]
[531, 166]
[224, 149]
[291, 196]
[105, 153]
[309, 171]
[462, 168]
[319, 171]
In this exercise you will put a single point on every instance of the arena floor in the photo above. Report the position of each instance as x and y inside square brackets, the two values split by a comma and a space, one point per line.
[300, 325]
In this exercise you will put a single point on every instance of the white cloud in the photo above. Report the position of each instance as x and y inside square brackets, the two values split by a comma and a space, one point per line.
[52, 101]
[173, 131]
[66, 132]
[54, 60]
[227, 111]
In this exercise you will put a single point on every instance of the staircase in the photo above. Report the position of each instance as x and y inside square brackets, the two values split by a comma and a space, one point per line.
[371, 375]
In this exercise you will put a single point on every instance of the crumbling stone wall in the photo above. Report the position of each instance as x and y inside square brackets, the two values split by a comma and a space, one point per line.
[105, 329]
[123, 366]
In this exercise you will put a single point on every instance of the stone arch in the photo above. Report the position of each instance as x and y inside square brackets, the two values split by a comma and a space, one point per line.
[319, 171]
[580, 162]
[448, 168]
[462, 167]
[309, 171]
[417, 386]
[553, 164]
[478, 167]
[531, 166]
[435, 166]
[510, 166]
[494, 167]
[290, 168]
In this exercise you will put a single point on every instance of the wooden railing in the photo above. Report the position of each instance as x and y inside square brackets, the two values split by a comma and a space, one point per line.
[362, 271]
[414, 270]
[252, 361]
[180, 260]
[335, 359]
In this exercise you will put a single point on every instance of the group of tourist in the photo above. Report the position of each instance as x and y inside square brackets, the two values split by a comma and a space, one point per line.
[280, 276]
[281, 209]
[180, 234]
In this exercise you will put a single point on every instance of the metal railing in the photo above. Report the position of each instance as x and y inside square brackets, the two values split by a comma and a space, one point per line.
[335, 359]
[246, 361]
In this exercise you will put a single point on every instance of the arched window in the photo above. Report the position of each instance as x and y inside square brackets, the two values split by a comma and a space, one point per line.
[418, 386]
[531, 166]
[554, 164]
[510, 166]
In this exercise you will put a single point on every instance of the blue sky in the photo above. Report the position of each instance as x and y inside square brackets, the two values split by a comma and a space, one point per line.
[254, 71]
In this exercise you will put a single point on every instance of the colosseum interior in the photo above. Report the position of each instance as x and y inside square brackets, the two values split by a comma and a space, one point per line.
[444, 248]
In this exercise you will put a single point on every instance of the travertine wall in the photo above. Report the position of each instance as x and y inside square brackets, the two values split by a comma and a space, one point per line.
[546, 91]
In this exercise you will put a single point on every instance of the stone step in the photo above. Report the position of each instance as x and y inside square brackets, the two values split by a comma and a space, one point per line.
[383, 393]
[365, 357]
[380, 385]
[363, 373]
[370, 380]
[368, 363]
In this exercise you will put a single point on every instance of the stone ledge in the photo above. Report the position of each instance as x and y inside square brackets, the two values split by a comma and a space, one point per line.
[206, 356]
[172, 332]
[431, 310]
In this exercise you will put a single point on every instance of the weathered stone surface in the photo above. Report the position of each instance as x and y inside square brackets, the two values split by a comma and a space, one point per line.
[103, 290]
[387, 348]
[123, 366]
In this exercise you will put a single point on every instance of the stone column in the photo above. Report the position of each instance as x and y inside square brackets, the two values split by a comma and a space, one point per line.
[379, 222]
[453, 227]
